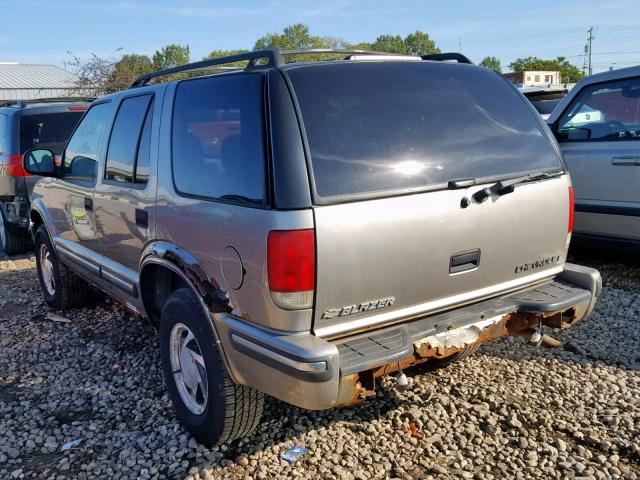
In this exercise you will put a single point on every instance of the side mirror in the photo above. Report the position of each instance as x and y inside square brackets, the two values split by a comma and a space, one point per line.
[40, 161]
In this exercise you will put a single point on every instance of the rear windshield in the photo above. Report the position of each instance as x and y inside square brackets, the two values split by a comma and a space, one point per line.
[375, 127]
[47, 130]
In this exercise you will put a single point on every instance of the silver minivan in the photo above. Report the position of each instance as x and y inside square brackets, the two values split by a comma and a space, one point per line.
[299, 229]
[598, 128]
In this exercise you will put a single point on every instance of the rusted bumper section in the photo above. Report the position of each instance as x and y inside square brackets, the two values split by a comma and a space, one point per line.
[314, 373]
[560, 303]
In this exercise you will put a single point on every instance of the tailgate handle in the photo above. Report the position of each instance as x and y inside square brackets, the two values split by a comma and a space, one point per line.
[462, 262]
[626, 160]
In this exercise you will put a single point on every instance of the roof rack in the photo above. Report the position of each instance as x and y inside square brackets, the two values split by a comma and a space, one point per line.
[447, 57]
[274, 58]
[31, 101]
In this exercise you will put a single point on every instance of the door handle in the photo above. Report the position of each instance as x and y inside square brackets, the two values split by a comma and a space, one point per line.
[142, 218]
[88, 204]
[464, 261]
[626, 160]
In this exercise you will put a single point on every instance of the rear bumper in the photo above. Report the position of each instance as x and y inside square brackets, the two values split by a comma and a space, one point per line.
[314, 373]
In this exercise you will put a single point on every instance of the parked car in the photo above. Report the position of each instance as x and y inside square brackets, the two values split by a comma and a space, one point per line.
[598, 128]
[544, 99]
[365, 216]
[45, 123]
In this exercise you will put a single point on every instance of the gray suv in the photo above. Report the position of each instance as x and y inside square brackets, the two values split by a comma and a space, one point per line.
[301, 229]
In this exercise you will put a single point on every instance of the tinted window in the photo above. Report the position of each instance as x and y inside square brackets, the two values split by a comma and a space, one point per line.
[144, 150]
[609, 111]
[217, 138]
[47, 130]
[81, 155]
[4, 140]
[123, 144]
[375, 127]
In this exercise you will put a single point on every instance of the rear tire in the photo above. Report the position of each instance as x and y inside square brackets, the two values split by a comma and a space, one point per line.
[209, 404]
[469, 350]
[62, 289]
[13, 239]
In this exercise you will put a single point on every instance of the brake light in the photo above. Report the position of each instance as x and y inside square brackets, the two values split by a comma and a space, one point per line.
[291, 267]
[77, 108]
[571, 209]
[13, 167]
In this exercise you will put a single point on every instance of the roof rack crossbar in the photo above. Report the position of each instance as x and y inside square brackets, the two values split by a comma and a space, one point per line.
[448, 56]
[345, 51]
[272, 56]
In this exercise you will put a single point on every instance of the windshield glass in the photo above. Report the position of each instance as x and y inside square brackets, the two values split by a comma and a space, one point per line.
[375, 127]
[47, 130]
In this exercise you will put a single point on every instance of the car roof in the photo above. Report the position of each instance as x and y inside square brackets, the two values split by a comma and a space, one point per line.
[607, 76]
[618, 74]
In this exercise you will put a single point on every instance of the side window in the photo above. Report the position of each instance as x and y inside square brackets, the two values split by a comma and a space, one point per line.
[609, 111]
[217, 138]
[81, 154]
[125, 136]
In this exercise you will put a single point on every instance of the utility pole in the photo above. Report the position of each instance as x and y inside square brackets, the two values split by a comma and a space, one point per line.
[588, 47]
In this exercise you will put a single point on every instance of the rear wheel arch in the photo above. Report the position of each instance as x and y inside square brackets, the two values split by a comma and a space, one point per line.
[165, 268]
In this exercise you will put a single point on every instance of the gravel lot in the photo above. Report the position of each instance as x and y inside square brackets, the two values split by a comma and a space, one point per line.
[509, 411]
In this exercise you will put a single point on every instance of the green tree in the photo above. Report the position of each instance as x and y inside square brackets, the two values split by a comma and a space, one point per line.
[492, 63]
[570, 73]
[419, 43]
[172, 55]
[227, 53]
[358, 46]
[293, 37]
[127, 69]
[416, 43]
[297, 37]
[390, 43]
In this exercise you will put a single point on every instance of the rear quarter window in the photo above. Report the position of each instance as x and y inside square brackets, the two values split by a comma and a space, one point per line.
[217, 139]
[380, 127]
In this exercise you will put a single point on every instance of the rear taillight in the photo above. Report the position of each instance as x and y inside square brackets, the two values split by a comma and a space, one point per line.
[12, 166]
[571, 209]
[291, 267]
[77, 108]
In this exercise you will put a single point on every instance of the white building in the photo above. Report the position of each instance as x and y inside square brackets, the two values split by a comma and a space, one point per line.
[20, 81]
[535, 78]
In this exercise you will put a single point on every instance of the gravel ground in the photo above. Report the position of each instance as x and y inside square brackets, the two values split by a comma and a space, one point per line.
[509, 411]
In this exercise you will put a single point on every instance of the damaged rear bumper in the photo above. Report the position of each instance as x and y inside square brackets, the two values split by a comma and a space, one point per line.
[315, 373]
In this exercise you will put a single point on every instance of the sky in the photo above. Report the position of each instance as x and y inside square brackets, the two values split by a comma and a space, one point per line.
[41, 31]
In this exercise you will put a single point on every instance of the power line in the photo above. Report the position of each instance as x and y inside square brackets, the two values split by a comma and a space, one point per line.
[599, 53]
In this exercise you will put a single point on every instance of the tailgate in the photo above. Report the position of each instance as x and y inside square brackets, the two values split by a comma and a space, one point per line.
[387, 260]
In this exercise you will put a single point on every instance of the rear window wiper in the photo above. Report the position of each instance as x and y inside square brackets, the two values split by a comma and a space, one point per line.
[504, 187]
